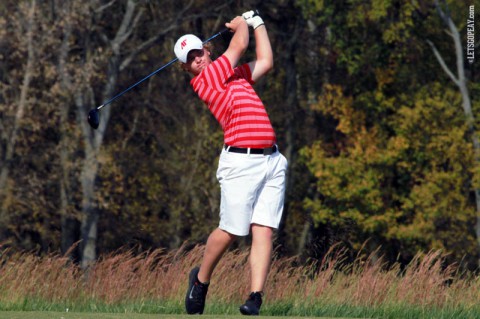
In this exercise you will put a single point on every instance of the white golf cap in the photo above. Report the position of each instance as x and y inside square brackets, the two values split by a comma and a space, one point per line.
[185, 44]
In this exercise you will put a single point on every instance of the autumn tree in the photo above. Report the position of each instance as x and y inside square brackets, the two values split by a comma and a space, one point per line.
[395, 170]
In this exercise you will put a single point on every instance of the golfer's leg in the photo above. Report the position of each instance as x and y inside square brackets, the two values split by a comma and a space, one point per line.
[217, 243]
[260, 255]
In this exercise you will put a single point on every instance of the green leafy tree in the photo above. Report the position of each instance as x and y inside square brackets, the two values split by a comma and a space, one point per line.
[404, 190]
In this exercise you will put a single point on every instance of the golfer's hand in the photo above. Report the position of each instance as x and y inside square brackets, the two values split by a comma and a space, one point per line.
[235, 23]
[249, 14]
[253, 19]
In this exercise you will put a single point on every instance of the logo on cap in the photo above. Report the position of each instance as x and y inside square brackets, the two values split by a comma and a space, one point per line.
[184, 43]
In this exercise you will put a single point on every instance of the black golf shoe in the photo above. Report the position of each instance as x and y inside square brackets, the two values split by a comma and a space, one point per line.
[196, 294]
[251, 307]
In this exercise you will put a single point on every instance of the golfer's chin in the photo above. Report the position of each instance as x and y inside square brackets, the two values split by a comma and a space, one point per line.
[202, 67]
[199, 68]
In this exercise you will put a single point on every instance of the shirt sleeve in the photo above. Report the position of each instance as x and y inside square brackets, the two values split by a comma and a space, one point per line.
[243, 71]
[218, 73]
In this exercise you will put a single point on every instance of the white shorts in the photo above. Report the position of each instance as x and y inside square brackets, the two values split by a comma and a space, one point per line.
[252, 190]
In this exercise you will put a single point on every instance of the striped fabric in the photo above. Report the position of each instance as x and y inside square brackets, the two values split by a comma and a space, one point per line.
[231, 99]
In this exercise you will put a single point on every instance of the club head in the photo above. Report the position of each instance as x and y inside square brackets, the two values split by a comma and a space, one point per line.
[94, 118]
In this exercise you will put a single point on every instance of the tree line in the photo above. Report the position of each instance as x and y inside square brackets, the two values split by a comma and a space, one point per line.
[372, 104]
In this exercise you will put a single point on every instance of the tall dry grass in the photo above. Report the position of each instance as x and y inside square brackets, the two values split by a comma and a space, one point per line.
[159, 276]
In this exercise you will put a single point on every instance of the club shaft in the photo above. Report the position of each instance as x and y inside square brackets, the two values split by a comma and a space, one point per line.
[216, 35]
[137, 83]
[153, 73]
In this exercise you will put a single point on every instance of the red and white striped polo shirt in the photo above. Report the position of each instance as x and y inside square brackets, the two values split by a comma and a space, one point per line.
[232, 100]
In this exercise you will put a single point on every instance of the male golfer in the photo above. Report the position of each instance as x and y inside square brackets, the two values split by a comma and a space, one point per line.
[251, 171]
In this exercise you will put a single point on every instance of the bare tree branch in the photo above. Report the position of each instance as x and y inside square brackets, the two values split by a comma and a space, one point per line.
[124, 30]
[441, 13]
[170, 25]
[4, 134]
[105, 6]
[442, 63]
[131, 132]
[10, 148]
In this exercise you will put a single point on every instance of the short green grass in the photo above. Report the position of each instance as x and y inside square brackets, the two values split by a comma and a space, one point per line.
[89, 315]
[175, 309]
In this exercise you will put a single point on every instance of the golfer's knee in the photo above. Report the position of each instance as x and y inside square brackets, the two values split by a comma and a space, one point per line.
[222, 235]
[262, 232]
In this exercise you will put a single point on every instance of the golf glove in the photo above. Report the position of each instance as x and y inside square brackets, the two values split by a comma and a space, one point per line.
[253, 19]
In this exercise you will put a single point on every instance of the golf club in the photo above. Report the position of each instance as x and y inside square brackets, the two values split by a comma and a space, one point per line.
[94, 114]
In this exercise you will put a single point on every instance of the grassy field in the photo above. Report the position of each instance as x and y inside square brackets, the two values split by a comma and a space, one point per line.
[153, 283]
[62, 315]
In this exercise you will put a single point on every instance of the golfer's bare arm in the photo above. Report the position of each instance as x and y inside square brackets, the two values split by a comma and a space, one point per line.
[239, 43]
[263, 50]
